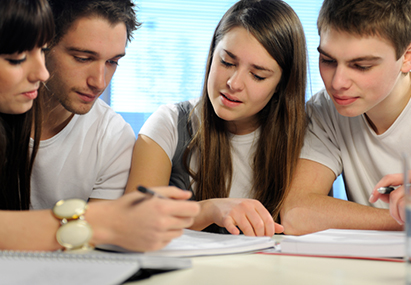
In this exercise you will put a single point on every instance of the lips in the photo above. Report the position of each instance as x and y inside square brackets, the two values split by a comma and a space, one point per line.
[344, 100]
[229, 98]
[87, 97]
[31, 94]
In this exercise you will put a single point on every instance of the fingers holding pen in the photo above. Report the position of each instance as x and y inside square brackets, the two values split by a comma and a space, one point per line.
[390, 180]
[395, 195]
[397, 204]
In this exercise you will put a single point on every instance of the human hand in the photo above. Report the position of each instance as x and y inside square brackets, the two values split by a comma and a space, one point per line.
[140, 222]
[395, 199]
[249, 215]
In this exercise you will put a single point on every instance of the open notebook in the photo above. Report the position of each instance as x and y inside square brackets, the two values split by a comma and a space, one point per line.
[196, 243]
[100, 268]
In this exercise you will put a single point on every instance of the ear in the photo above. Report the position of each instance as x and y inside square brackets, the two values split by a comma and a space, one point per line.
[406, 64]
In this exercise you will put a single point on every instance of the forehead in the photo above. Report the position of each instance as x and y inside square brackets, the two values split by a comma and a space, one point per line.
[344, 45]
[245, 46]
[96, 34]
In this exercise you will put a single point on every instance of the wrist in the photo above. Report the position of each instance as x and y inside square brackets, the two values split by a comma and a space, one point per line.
[74, 231]
[205, 217]
[96, 216]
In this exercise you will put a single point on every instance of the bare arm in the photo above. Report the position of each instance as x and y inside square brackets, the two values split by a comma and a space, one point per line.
[150, 165]
[134, 221]
[308, 208]
[28, 230]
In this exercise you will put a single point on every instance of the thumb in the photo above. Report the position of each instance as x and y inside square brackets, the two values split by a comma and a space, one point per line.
[278, 228]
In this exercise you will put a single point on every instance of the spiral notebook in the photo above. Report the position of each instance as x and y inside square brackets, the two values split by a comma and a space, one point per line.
[80, 268]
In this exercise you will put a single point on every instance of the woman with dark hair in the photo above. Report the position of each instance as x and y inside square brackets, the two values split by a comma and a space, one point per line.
[22, 69]
[236, 148]
[26, 26]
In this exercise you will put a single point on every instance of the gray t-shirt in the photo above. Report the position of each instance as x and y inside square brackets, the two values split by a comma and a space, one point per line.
[350, 146]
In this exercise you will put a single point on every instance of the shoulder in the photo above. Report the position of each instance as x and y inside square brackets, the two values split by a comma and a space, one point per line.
[320, 101]
[321, 110]
[167, 115]
[104, 121]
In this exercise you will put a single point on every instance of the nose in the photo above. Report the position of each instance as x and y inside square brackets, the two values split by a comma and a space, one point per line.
[38, 70]
[340, 79]
[236, 81]
[97, 77]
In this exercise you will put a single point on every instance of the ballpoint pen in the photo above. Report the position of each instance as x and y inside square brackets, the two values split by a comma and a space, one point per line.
[145, 190]
[388, 190]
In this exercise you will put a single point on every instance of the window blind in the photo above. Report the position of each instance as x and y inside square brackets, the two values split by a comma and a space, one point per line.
[165, 62]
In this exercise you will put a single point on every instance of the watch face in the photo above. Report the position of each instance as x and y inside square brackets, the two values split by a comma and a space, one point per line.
[74, 234]
[69, 209]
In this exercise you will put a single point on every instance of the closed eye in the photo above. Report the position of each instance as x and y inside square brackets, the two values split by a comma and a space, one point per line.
[258, 78]
[362, 67]
[226, 64]
[327, 61]
[113, 62]
[16, 61]
[82, 59]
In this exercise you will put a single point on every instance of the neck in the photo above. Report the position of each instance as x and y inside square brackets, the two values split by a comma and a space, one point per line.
[55, 117]
[242, 128]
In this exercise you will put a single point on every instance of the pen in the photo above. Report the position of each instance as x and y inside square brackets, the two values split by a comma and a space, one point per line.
[145, 190]
[385, 190]
[388, 190]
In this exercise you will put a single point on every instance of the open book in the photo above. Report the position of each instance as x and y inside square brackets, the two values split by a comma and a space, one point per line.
[359, 243]
[196, 243]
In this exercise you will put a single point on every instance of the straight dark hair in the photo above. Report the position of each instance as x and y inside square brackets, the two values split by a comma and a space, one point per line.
[24, 25]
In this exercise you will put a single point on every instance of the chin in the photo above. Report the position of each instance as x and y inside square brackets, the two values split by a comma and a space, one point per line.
[81, 111]
[78, 109]
[349, 113]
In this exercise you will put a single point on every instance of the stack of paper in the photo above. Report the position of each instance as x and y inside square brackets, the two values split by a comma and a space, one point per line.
[333, 242]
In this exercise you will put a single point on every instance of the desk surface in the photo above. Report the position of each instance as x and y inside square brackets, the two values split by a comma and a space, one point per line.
[257, 269]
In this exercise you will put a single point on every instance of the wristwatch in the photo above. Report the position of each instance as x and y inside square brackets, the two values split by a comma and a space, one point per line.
[74, 232]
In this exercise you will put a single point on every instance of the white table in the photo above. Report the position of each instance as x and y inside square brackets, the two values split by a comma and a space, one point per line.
[258, 269]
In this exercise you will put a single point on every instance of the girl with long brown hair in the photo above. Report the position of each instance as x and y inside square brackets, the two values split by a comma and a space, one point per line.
[237, 146]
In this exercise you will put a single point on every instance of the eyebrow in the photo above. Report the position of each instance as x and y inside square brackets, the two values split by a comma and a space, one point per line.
[363, 58]
[91, 52]
[258, 67]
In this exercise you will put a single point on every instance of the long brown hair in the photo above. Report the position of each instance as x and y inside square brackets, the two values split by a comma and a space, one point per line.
[282, 121]
[24, 25]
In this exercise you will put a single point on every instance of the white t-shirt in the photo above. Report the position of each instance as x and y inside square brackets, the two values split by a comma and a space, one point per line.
[161, 127]
[350, 146]
[89, 158]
